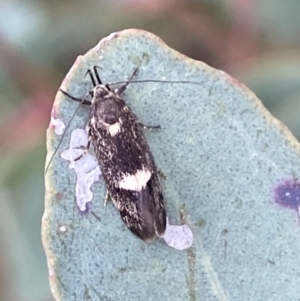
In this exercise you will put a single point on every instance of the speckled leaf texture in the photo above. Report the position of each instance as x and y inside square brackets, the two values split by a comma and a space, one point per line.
[232, 176]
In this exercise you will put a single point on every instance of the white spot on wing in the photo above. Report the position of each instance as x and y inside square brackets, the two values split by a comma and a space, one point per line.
[114, 129]
[86, 168]
[93, 121]
[135, 182]
[178, 237]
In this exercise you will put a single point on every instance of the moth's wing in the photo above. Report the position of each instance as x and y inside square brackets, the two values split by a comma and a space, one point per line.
[143, 213]
[126, 161]
[159, 212]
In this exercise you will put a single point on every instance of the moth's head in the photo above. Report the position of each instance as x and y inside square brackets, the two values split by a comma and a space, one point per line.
[99, 92]
[106, 106]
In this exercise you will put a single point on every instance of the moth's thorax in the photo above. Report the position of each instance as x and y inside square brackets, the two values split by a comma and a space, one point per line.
[106, 106]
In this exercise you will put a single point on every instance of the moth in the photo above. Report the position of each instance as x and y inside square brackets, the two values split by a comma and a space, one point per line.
[126, 162]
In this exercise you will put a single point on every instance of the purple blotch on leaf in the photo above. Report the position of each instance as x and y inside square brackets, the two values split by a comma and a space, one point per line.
[287, 194]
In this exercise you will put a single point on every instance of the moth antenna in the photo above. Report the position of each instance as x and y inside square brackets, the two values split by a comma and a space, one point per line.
[121, 89]
[83, 101]
[156, 81]
[95, 68]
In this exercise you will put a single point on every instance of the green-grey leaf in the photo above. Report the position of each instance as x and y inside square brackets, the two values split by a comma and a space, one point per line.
[223, 155]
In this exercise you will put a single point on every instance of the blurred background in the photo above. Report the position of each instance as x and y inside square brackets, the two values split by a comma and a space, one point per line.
[255, 41]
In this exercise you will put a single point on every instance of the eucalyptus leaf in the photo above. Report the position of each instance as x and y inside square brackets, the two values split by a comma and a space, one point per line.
[230, 168]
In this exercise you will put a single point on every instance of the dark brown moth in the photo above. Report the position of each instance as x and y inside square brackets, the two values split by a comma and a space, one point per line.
[126, 162]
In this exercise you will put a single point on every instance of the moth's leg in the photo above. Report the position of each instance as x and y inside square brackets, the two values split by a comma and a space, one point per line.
[106, 198]
[85, 150]
[82, 100]
[123, 87]
[96, 216]
[109, 198]
[150, 127]
[161, 174]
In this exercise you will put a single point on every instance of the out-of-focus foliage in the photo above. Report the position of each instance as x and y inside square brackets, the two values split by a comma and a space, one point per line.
[255, 41]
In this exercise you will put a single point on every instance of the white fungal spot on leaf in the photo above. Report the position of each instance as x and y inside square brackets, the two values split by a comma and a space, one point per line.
[85, 166]
[58, 125]
[179, 237]
[63, 229]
